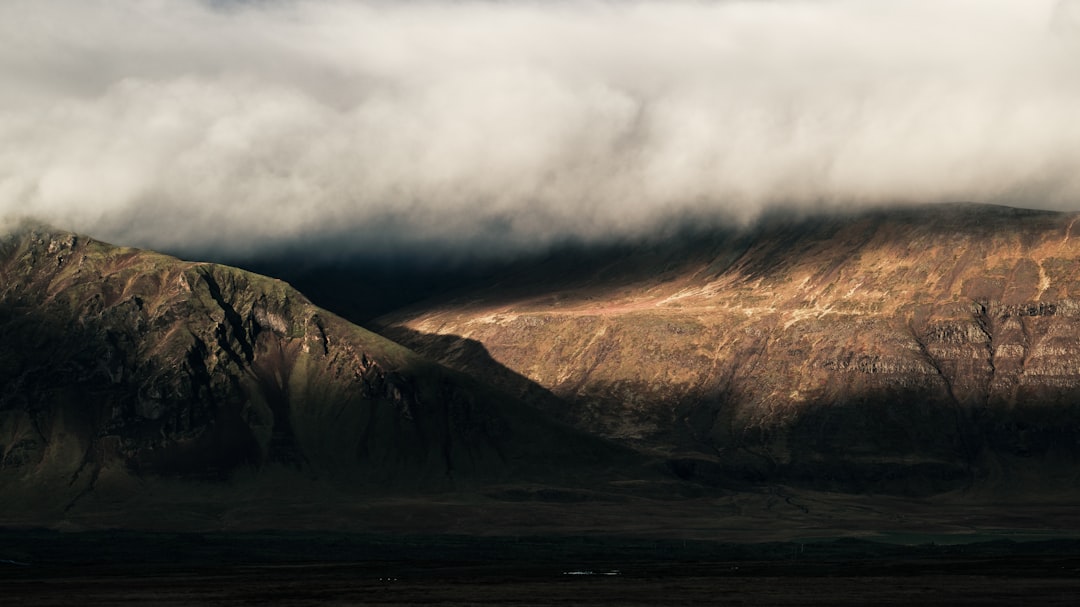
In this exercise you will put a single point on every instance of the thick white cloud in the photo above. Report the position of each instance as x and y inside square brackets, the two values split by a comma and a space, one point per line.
[237, 125]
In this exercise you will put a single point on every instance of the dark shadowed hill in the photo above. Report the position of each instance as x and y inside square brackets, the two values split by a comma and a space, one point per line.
[910, 351]
[120, 368]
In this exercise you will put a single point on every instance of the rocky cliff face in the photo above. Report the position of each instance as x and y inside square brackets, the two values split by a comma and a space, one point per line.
[125, 363]
[913, 351]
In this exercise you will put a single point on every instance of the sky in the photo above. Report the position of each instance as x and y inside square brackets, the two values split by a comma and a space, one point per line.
[238, 127]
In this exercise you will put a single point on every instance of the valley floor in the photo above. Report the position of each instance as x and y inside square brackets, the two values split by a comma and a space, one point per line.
[341, 585]
[41, 567]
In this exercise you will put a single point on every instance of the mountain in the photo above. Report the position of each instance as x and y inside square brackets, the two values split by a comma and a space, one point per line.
[804, 376]
[124, 372]
[912, 351]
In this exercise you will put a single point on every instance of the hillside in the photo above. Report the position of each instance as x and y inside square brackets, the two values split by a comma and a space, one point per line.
[124, 372]
[911, 351]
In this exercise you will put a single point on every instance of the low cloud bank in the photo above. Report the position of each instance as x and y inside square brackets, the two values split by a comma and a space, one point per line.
[236, 127]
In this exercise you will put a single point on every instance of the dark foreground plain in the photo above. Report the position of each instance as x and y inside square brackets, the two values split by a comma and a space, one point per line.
[109, 568]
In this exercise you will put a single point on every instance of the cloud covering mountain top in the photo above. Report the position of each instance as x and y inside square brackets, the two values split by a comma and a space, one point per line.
[236, 127]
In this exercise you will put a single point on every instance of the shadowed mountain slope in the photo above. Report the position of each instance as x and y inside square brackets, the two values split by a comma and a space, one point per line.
[914, 351]
[119, 366]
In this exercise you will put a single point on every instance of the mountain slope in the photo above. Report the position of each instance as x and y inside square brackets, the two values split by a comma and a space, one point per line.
[915, 351]
[119, 365]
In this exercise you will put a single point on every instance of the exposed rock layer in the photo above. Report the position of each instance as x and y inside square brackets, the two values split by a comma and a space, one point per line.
[913, 351]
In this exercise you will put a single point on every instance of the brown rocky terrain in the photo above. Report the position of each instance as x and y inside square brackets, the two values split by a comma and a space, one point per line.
[120, 367]
[912, 351]
[772, 382]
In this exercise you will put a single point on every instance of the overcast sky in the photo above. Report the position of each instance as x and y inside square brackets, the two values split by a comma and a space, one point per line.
[232, 127]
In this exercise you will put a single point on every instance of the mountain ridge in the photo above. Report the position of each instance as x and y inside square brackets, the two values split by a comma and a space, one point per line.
[124, 365]
[143, 391]
[801, 350]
